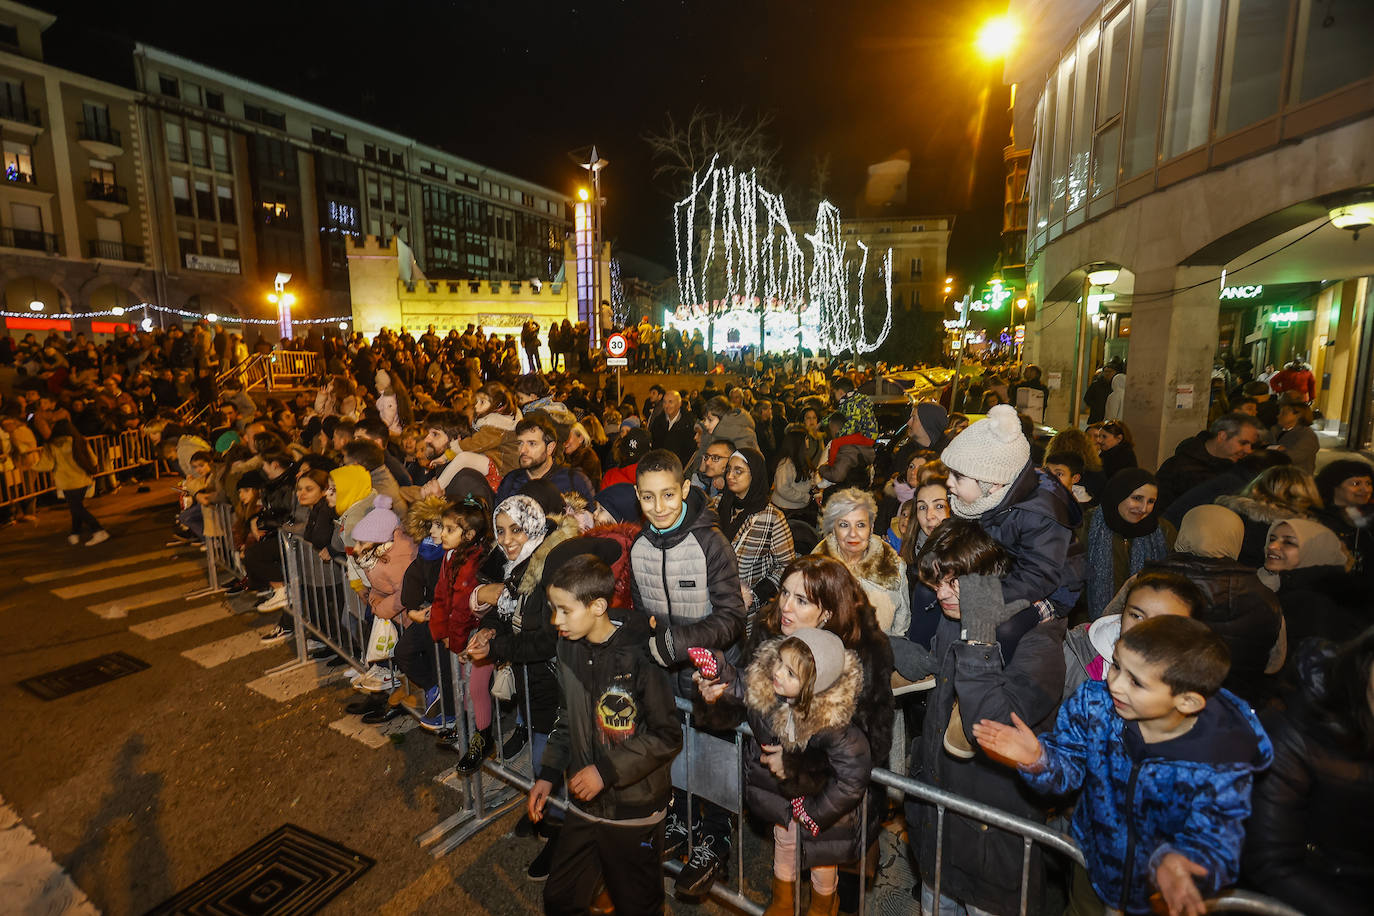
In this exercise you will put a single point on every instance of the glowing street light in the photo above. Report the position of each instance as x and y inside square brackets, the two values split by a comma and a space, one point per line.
[584, 195]
[997, 37]
[36, 305]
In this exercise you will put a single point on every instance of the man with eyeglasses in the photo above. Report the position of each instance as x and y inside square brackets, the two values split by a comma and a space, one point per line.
[710, 476]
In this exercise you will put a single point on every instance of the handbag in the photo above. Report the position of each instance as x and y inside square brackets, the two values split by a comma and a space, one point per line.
[381, 642]
[503, 683]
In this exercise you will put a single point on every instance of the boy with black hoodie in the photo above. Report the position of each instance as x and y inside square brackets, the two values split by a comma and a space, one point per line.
[615, 738]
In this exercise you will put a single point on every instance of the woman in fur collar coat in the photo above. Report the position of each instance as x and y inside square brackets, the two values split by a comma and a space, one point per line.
[1276, 495]
[802, 693]
[850, 537]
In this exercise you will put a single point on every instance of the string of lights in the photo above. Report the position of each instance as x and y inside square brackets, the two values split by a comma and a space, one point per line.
[150, 307]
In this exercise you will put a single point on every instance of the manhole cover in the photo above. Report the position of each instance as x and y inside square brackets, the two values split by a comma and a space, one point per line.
[289, 872]
[82, 676]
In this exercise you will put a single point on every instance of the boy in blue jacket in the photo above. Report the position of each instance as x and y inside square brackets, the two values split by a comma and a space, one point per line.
[1165, 759]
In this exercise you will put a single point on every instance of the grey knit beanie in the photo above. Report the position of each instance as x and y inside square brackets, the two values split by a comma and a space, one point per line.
[993, 450]
[827, 651]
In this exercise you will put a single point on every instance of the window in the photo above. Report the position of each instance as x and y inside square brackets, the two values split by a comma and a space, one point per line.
[374, 196]
[219, 152]
[264, 116]
[176, 144]
[1333, 46]
[1147, 80]
[1080, 138]
[208, 244]
[214, 100]
[181, 195]
[9, 35]
[369, 152]
[401, 206]
[229, 247]
[199, 156]
[915, 268]
[398, 161]
[167, 85]
[186, 244]
[330, 138]
[190, 93]
[1256, 31]
[386, 193]
[225, 193]
[102, 173]
[109, 230]
[275, 212]
[205, 200]
[1111, 91]
[18, 162]
[95, 123]
[1192, 63]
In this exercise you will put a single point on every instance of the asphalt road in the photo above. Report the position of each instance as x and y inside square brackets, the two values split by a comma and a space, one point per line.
[142, 785]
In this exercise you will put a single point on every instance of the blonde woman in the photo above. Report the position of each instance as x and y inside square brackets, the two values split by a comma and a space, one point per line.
[1276, 495]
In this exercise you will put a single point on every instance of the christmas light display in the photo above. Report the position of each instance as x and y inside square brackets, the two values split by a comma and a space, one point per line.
[211, 317]
[753, 260]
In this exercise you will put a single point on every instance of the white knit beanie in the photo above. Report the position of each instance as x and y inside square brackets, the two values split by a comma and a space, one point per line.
[993, 450]
[827, 651]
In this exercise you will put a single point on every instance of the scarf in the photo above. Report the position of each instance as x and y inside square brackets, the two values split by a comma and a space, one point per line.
[733, 511]
[1101, 579]
[1122, 484]
[529, 518]
[1318, 545]
[1210, 531]
[982, 505]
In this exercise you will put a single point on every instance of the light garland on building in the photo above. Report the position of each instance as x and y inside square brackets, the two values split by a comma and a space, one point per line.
[149, 307]
[756, 261]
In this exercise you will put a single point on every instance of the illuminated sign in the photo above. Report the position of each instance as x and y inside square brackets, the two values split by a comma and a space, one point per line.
[1286, 316]
[1241, 292]
[993, 299]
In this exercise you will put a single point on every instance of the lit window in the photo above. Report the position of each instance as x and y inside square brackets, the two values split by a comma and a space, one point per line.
[18, 162]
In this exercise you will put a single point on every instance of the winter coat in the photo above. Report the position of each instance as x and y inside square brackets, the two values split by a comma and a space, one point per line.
[1308, 841]
[585, 461]
[1257, 515]
[851, 462]
[450, 614]
[1140, 801]
[763, 547]
[737, 426]
[1323, 601]
[385, 576]
[680, 439]
[494, 436]
[1245, 614]
[982, 867]
[1088, 651]
[688, 581]
[1190, 465]
[1127, 555]
[1300, 444]
[883, 575]
[1117, 458]
[1116, 401]
[566, 479]
[278, 502]
[67, 472]
[1035, 524]
[790, 492]
[617, 714]
[827, 761]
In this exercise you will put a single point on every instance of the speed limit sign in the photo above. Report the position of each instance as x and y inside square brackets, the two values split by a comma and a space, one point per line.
[616, 345]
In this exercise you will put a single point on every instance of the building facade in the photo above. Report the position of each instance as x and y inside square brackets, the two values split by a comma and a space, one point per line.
[193, 189]
[1187, 148]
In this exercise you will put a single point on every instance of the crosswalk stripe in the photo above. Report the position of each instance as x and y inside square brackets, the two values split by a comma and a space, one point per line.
[186, 620]
[214, 654]
[120, 607]
[134, 578]
[291, 683]
[133, 560]
[374, 736]
[33, 881]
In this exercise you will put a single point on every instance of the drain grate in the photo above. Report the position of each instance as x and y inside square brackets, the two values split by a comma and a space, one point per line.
[82, 676]
[289, 872]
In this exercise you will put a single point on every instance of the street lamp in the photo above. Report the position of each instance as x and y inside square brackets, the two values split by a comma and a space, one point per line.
[997, 37]
[594, 164]
[283, 301]
[1101, 274]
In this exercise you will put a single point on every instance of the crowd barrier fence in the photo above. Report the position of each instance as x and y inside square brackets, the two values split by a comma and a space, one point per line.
[709, 766]
[114, 454]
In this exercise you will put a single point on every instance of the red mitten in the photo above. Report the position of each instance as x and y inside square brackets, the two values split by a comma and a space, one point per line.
[799, 812]
[705, 662]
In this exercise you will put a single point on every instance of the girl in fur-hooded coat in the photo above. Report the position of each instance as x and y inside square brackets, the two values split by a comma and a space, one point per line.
[883, 575]
[826, 767]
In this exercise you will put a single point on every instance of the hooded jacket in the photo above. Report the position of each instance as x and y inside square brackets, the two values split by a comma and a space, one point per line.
[1190, 465]
[687, 580]
[1035, 525]
[617, 714]
[850, 462]
[882, 574]
[385, 577]
[827, 760]
[1139, 801]
[1319, 597]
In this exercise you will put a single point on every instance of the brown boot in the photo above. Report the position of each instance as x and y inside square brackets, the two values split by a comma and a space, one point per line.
[783, 902]
[602, 905]
[956, 742]
[823, 904]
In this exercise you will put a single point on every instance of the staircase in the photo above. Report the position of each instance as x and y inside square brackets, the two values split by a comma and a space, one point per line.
[277, 371]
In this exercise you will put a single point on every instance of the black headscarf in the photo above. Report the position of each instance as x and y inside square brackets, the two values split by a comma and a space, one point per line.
[733, 510]
[1121, 485]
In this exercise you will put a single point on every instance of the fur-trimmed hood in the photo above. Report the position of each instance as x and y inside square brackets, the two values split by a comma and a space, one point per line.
[880, 564]
[423, 513]
[565, 527]
[1259, 510]
[833, 707]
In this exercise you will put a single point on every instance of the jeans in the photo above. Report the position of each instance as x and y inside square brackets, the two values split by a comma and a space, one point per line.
[192, 518]
[948, 905]
[81, 516]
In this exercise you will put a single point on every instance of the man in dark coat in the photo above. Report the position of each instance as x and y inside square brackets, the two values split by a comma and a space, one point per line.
[1196, 460]
[671, 427]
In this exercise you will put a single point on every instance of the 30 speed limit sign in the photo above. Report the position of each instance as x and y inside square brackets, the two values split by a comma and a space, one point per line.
[616, 345]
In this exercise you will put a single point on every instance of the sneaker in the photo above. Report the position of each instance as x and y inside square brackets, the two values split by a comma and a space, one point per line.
[385, 714]
[73, 539]
[431, 700]
[706, 863]
[316, 649]
[354, 675]
[437, 722]
[364, 705]
[276, 601]
[956, 742]
[674, 837]
[514, 743]
[378, 680]
[539, 869]
[479, 749]
[236, 588]
[277, 635]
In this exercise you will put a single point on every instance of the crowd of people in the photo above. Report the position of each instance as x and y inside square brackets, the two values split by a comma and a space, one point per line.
[1177, 663]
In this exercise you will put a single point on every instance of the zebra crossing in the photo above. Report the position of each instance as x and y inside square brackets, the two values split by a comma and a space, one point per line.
[151, 591]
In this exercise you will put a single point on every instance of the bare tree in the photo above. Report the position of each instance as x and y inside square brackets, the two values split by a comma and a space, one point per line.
[820, 178]
[741, 140]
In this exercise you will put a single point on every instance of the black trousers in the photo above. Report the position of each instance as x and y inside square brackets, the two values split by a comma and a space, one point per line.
[81, 516]
[417, 659]
[628, 859]
[262, 561]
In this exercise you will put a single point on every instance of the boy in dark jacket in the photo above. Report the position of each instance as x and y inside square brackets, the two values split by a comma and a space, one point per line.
[615, 738]
[1165, 759]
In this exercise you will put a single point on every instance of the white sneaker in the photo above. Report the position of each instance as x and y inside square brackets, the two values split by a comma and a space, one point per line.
[99, 537]
[275, 602]
[354, 675]
[277, 635]
[73, 539]
[378, 680]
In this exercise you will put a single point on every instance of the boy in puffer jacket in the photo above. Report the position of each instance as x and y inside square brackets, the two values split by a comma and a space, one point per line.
[1165, 759]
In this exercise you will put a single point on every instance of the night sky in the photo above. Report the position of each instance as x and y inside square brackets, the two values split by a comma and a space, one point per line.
[517, 85]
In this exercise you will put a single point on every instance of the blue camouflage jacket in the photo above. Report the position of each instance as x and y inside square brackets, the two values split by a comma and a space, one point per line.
[1139, 802]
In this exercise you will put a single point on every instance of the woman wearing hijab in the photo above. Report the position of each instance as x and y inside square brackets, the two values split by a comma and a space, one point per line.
[1308, 567]
[756, 529]
[1277, 494]
[1122, 534]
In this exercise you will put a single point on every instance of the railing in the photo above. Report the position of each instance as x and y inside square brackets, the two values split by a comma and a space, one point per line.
[270, 371]
[13, 174]
[114, 251]
[113, 455]
[30, 239]
[12, 110]
[111, 193]
[97, 133]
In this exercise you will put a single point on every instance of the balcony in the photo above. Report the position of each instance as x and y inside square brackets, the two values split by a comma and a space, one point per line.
[106, 198]
[14, 175]
[100, 140]
[17, 118]
[114, 251]
[28, 239]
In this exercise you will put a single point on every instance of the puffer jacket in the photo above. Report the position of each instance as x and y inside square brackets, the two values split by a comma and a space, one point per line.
[68, 474]
[617, 714]
[1190, 465]
[1308, 841]
[883, 575]
[827, 759]
[1257, 515]
[851, 462]
[386, 575]
[687, 580]
[1240, 610]
[450, 613]
[1035, 525]
[278, 501]
[982, 867]
[494, 436]
[1190, 795]
[1323, 601]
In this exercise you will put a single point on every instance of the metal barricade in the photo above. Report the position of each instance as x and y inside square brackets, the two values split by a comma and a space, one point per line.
[115, 454]
[222, 561]
[322, 602]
